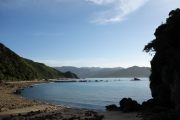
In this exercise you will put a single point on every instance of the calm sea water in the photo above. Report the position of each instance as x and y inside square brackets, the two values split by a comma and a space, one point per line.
[90, 95]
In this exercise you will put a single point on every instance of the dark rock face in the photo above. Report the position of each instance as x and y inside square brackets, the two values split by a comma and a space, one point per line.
[112, 108]
[126, 105]
[165, 65]
[129, 105]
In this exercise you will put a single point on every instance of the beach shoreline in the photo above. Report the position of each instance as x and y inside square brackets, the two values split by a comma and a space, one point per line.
[14, 106]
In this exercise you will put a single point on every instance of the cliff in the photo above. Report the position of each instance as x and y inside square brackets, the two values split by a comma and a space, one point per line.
[165, 65]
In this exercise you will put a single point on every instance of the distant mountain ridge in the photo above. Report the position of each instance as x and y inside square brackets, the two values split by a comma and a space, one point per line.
[97, 72]
[14, 67]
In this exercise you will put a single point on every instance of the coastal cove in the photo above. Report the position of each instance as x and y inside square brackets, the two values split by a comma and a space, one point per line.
[90, 95]
[90, 60]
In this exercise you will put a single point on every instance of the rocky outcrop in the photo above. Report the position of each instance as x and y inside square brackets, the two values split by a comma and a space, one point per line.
[165, 65]
[126, 105]
[112, 107]
[129, 105]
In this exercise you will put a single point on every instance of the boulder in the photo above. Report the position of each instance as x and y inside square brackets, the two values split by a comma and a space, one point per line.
[112, 107]
[129, 105]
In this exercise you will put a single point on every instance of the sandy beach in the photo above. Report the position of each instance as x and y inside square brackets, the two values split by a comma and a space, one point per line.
[15, 107]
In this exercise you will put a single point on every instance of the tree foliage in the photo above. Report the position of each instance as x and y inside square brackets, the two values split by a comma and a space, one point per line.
[14, 67]
[167, 35]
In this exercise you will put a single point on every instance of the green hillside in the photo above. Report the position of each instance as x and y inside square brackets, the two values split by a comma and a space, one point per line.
[14, 67]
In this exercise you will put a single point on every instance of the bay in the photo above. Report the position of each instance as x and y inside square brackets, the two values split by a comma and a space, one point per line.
[94, 94]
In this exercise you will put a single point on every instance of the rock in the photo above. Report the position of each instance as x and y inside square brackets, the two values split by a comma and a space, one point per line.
[136, 79]
[4, 109]
[129, 105]
[18, 91]
[1, 82]
[112, 107]
[165, 65]
[165, 70]
[148, 104]
[170, 115]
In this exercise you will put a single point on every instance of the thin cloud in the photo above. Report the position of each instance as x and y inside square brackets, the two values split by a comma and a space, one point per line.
[119, 10]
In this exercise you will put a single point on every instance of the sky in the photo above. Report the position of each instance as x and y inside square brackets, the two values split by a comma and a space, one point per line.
[83, 33]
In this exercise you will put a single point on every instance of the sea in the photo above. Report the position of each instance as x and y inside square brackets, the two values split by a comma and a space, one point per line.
[90, 93]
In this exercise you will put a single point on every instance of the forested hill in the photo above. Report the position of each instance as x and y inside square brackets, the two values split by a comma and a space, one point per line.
[96, 72]
[14, 67]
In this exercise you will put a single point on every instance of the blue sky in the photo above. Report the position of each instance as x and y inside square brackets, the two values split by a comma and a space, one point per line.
[93, 33]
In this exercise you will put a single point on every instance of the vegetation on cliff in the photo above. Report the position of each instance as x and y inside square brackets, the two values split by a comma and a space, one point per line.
[14, 67]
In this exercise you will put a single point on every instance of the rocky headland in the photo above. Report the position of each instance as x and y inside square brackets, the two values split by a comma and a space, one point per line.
[165, 75]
